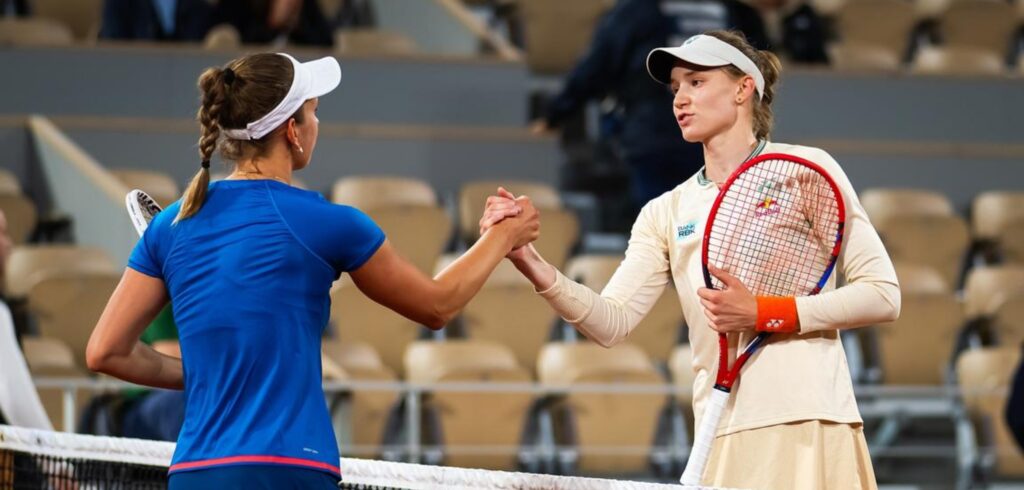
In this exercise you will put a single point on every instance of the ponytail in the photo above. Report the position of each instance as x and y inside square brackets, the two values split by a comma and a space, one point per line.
[213, 87]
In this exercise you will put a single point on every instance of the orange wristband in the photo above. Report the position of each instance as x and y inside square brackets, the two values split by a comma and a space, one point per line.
[776, 314]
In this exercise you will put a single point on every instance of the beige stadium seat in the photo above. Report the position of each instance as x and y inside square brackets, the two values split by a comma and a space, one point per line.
[50, 357]
[83, 17]
[993, 211]
[357, 318]
[33, 32]
[919, 279]
[917, 348]
[983, 375]
[623, 423]
[863, 57]
[368, 409]
[939, 242]
[1011, 243]
[507, 310]
[160, 186]
[882, 204]
[21, 216]
[222, 37]
[827, 7]
[407, 211]
[958, 61]
[67, 304]
[987, 26]
[9, 183]
[30, 264]
[1008, 321]
[987, 287]
[558, 33]
[881, 24]
[659, 331]
[494, 419]
[373, 42]
[559, 226]
[994, 216]
[680, 367]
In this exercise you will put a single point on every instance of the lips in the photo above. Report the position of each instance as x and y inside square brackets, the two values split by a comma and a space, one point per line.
[683, 119]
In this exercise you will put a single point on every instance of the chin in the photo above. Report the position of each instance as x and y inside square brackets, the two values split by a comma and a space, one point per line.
[692, 136]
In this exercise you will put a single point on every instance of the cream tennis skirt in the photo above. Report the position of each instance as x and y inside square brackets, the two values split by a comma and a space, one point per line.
[808, 455]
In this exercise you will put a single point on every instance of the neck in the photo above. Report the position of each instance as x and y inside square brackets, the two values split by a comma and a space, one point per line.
[725, 152]
[276, 166]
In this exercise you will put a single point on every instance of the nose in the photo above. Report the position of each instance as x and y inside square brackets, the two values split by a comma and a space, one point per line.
[680, 100]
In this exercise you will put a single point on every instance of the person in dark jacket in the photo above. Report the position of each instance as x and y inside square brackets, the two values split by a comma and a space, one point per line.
[1015, 405]
[300, 22]
[614, 65]
[156, 20]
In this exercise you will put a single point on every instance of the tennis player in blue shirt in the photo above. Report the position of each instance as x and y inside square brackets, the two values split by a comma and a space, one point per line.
[248, 263]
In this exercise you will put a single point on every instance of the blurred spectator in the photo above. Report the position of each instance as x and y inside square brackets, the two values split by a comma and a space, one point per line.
[276, 21]
[647, 135]
[14, 8]
[355, 13]
[156, 20]
[1015, 405]
[795, 30]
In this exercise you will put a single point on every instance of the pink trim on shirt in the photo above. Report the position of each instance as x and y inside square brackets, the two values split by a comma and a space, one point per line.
[191, 465]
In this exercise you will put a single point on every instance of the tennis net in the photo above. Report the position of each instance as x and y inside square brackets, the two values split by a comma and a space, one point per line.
[44, 460]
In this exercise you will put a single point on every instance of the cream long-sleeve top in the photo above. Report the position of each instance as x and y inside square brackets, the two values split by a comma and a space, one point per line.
[797, 376]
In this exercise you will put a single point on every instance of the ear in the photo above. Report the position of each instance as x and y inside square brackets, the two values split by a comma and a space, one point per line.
[746, 89]
[292, 132]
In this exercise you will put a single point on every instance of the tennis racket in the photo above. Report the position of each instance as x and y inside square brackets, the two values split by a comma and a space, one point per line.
[776, 225]
[141, 209]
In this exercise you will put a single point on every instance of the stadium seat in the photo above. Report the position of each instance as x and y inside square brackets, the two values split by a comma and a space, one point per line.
[881, 204]
[21, 216]
[507, 310]
[373, 42]
[28, 265]
[680, 367]
[602, 421]
[160, 186]
[48, 356]
[560, 226]
[917, 348]
[407, 211]
[33, 32]
[9, 183]
[940, 242]
[1008, 321]
[993, 214]
[919, 279]
[987, 287]
[1011, 243]
[222, 37]
[83, 17]
[468, 418]
[984, 375]
[367, 410]
[981, 25]
[659, 331]
[558, 33]
[884, 25]
[67, 304]
[957, 60]
[855, 57]
[357, 318]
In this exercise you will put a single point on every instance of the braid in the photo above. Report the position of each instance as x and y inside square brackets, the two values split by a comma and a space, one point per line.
[214, 97]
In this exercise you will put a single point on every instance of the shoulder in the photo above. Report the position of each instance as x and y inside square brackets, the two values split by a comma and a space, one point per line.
[810, 153]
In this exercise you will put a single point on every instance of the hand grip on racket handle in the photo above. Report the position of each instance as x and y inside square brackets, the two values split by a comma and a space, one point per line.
[704, 438]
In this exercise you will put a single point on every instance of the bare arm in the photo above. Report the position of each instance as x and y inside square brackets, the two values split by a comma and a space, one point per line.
[392, 281]
[114, 347]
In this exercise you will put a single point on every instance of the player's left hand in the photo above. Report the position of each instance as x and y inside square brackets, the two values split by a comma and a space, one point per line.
[732, 309]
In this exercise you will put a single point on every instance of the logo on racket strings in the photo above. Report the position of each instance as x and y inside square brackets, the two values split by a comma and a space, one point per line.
[767, 207]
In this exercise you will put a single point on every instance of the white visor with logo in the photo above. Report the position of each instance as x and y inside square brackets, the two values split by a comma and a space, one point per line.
[702, 50]
[311, 80]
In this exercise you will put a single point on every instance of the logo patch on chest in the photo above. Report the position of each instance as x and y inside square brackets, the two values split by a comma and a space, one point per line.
[686, 231]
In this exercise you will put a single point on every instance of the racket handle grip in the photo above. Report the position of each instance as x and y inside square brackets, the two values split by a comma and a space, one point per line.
[704, 438]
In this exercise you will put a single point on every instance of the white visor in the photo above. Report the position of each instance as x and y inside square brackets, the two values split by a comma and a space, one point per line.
[702, 50]
[311, 80]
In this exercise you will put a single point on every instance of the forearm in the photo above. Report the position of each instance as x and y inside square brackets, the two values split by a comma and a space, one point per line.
[851, 306]
[145, 366]
[464, 277]
[603, 320]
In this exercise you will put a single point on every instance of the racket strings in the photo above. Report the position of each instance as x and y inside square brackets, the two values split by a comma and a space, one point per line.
[775, 229]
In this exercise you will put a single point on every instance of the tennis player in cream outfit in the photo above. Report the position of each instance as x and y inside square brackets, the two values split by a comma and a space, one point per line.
[792, 422]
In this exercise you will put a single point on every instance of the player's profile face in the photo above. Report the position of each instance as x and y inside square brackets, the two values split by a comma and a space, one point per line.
[704, 101]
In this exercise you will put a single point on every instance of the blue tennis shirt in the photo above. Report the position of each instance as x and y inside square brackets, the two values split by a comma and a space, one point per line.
[249, 278]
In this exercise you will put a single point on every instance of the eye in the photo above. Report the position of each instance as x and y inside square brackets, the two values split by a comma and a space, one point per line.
[696, 82]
